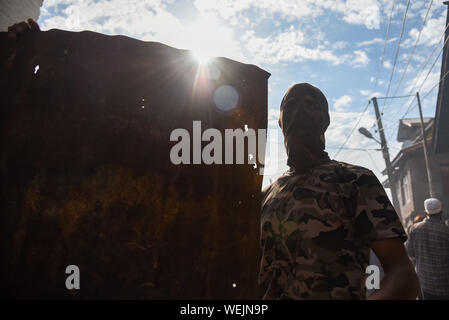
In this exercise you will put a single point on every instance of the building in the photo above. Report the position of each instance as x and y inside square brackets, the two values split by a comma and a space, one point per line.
[410, 179]
[13, 11]
[440, 143]
[410, 174]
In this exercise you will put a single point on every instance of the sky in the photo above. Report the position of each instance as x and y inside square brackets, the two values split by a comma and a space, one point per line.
[352, 50]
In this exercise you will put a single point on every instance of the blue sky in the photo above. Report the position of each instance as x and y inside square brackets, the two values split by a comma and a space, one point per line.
[335, 45]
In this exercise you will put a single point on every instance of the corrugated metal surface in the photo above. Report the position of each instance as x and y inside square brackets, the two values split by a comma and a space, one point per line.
[87, 179]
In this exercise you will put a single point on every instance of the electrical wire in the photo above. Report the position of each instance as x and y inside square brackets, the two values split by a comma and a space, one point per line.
[395, 97]
[424, 96]
[385, 46]
[414, 48]
[352, 131]
[397, 54]
[422, 68]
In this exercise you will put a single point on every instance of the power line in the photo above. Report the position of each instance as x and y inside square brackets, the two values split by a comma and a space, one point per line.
[433, 65]
[385, 46]
[392, 133]
[380, 65]
[410, 108]
[444, 76]
[389, 126]
[373, 162]
[394, 97]
[414, 48]
[355, 149]
[430, 56]
[397, 53]
[366, 153]
[422, 67]
[397, 124]
[413, 106]
[352, 131]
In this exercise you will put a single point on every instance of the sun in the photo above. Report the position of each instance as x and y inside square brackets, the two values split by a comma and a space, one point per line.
[202, 56]
[204, 37]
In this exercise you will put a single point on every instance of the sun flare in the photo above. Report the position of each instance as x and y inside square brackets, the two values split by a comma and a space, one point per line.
[204, 37]
[201, 56]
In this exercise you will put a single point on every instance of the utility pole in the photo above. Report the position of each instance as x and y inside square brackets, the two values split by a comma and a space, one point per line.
[386, 155]
[426, 155]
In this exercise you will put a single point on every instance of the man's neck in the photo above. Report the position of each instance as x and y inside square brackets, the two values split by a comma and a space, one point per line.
[435, 217]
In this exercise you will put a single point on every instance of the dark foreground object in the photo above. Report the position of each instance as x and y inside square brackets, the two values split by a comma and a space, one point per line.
[86, 176]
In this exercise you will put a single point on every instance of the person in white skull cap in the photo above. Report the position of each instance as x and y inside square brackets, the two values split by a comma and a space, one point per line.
[428, 248]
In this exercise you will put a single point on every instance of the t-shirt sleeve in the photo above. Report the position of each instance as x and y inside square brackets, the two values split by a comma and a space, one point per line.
[375, 217]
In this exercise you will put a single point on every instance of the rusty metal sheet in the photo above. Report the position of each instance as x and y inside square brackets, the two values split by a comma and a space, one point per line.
[86, 176]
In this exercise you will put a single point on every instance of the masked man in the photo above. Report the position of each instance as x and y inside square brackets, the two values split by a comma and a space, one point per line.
[320, 219]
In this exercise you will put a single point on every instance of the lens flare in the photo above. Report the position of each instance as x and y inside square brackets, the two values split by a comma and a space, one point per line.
[226, 98]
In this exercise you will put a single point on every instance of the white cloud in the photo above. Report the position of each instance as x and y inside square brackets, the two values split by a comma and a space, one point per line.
[232, 10]
[286, 46]
[417, 5]
[430, 82]
[360, 12]
[370, 94]
[293, 45]
[387, 64]
[374, 41]
[379, 82]
[342, 103]
[145, 20]
[341, 124]
[135, 18]
[431, 34]
[339, 45]
[360, 59]
[370, 42]
[151, 20]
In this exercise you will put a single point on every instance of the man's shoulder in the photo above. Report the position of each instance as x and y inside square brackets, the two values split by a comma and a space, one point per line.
[429, 226]
[417, 226]
[359, 170]
[440, 225]
[288, 179]
[344, 172]
[330, 172]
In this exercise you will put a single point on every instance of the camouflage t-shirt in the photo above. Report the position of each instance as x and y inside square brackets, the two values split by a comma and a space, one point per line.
[316, 228]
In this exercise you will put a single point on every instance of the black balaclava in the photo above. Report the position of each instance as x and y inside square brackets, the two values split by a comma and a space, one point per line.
[304, 118]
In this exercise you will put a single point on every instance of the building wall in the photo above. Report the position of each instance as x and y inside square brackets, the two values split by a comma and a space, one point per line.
[13, 11]
[406, 208]
[420, 185]
[441, 180]
[415, 167]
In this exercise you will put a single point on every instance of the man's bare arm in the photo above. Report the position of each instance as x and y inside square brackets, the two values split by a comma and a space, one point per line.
[400, 280]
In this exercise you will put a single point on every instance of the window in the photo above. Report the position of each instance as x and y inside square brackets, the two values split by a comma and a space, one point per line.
[405, 190]
[399, 192]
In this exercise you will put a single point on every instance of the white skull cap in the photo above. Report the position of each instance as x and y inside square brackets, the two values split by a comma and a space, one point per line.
[432, 206]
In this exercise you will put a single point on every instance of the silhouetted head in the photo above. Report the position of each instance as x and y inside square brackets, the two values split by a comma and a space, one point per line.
[304, 119]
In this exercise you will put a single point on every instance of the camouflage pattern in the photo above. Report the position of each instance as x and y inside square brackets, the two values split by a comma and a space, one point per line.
[316, 228]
